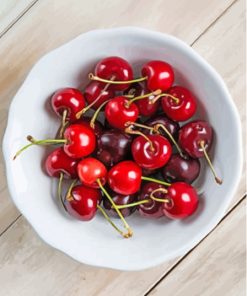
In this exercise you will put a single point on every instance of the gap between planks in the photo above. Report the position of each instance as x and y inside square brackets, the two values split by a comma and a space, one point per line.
[200, 242]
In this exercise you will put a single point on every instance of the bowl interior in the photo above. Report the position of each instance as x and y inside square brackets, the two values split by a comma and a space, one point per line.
[95, 242]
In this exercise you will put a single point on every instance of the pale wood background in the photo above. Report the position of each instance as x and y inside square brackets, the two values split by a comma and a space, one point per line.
[29, 29]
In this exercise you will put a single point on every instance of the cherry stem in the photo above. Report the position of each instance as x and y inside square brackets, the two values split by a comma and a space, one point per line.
[84, 110]
[154, 100]
[96, 113]
[96, 78]
[130, 232]
[217, 179]
[156, 128]
[59, 190]
[69, 195]
[154, 93]
[128, 130]
[63, 124]
[39, 142]
[110, 221]
[130, 123]
[155, 181]
[134, 204]
[163, 190]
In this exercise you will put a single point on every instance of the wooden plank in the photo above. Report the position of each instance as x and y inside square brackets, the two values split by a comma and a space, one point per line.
[11, 11]
[65, 20]
[215, 267]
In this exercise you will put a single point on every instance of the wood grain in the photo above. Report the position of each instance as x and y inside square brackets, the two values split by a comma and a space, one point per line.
[60, 26]
[216, 267]
[11, 11]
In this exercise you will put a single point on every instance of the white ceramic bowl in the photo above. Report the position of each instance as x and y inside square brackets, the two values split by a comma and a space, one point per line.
[95, 242]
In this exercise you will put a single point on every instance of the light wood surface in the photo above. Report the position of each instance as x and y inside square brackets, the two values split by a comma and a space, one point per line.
[215, 29]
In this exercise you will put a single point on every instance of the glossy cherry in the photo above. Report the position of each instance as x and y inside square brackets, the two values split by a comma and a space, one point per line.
[69, 99]
[183, 108]
[180, 168]
[113, 146]
[125, 177]
[159, 75]
[146, 108]
[119, 200]
[114, 68]
[94, 92]
[183, 201]
[81, 140]
[152, 209]
[82, 202]
[117, 112]
[98, 127]
[149, 158]
[90, 170]
[58, 162]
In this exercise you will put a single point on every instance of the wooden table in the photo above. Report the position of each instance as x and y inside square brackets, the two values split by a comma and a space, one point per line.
[29, 29]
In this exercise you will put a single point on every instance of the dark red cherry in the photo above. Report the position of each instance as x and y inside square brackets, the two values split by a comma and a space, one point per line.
[192, 134]
[182, 110]
[58, 162]
[117, 68]
[148, 172]
[81, 140]
[113, 146]
[90, 170]
[182, 169]
[145, 157]
[98, 127]
[120, 200]
[152, 209]
[94, 91]
[82, 204]
[144, 105]
[117, 113]
[183, 201]
[125, 177]
[159, 75]
[69, 99]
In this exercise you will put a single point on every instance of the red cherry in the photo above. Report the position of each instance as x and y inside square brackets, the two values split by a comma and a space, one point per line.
[125, 177]
[94, 91]
[82, 204]
[117, 112]
[98, 127]
[69, 99]
[90, 170]
[192, 134]
[182, 110]
[117, 68]
[183, 201]
[81, 140]
[58, 162]
[159, 75]
[149, 158]
[152, 209]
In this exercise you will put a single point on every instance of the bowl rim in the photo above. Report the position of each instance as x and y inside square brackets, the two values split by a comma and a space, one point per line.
[217, 216]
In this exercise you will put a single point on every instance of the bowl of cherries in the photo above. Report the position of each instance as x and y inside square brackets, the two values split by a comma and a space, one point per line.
[123, 148]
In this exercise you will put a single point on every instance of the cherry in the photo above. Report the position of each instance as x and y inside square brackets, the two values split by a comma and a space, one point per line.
[195, 138]
[146, 108]
[181, 109]
[152, 154]
[180, 168]
[58, 162]
[113, 146]
[148, 172]
[98, 127]
[69, 100]
[90, 170]
[159, 75]
[183, 201]
[118, 113]
[113, 68]
[82, 202]
[153, 208]
[119, 199]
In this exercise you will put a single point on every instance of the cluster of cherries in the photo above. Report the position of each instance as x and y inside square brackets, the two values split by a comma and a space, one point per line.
[116, 161]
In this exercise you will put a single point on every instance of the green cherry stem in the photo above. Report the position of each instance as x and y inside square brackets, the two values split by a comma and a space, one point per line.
[165, 200]
[134, 204]
[130, 131]
[39, 142]
[154, 93]
[96, 113]
[96, 78]
[155, 181]
[63, 124]
[164, 95]
[69, 195]
[59, 190]
[126, 225]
